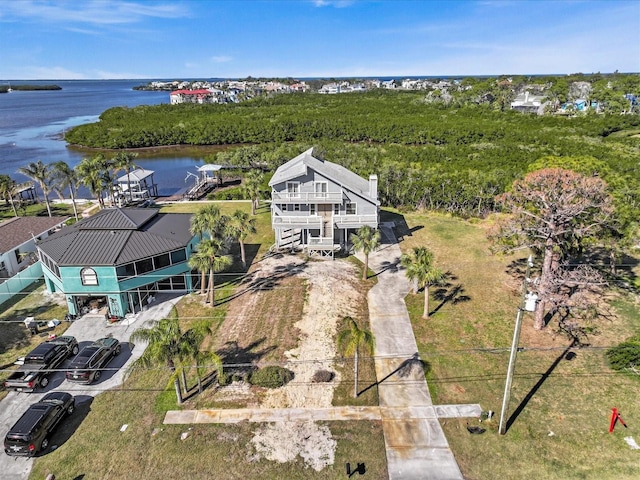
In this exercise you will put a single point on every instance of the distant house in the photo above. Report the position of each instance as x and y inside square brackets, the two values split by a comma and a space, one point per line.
[528, 103]
[116, 260]
[578, 105]
[316, 204]
[299, 87]
[18, 237]
[330, 88]
[194, 96]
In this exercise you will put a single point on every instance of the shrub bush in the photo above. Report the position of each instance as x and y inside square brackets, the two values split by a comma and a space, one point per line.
[224, 379]
[625, 355]
[272, 376]
[234, 193]
[322, 376]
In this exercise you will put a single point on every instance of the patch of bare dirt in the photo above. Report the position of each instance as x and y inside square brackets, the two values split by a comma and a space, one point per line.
[329, 291]
[281, 442]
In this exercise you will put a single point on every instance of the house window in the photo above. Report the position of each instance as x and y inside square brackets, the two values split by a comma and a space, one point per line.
[351, 208]
[161, 261]
[284, 207]
[336, 209]
[144, 266]
[126, 271]
[321, 189]
[89, 276]
[312, 209]
[293, 189]
[296, 207]
[178, 256]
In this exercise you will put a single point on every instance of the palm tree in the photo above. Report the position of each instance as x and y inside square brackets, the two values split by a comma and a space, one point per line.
[209, 221]
[422, 272]
[253, 182]
[167, 344]
[65, 177]
[200, 262]
[91, 173]
[207, 359]
[8, 190]
[366, 239]
[239, 226]
[40, 173]
[124, 161]
[210, 255]
[351, 339]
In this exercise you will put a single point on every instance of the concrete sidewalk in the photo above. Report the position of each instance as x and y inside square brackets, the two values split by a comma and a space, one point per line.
[330, 414]
[415, 443]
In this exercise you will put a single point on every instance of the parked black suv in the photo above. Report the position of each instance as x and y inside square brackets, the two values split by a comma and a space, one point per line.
[86, 366]
[30, 434]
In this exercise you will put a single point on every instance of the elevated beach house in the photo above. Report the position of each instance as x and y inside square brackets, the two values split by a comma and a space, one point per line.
[317, 204]
[115, 261]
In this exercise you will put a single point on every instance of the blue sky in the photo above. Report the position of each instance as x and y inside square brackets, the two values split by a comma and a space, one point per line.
[81, 39]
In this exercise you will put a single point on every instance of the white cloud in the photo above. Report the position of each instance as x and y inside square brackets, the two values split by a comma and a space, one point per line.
[94, 12]
[333, 3]
[221, 59]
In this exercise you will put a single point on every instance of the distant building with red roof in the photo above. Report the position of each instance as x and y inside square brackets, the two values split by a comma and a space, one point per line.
[195, 96]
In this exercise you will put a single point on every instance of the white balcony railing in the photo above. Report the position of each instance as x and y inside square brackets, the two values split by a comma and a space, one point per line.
[340, 220]
[306, 197]
[315, 242]
[291, 220]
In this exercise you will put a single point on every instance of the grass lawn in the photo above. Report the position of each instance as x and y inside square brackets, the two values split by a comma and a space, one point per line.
[563, 404]
[36, 210]
[92, 446]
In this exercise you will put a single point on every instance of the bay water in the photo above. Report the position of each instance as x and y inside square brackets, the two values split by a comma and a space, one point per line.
[32, 124]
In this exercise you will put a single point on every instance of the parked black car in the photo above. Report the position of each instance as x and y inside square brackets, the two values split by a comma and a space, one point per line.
[30, 434]
[86, 366]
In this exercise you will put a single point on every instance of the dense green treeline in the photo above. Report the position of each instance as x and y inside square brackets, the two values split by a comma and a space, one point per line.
[380, 116]
[447, 158]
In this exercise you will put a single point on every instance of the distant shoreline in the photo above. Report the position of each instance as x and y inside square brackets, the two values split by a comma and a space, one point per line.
[27, 88]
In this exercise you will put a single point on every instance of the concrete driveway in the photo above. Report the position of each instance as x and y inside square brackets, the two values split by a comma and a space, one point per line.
[86, 330]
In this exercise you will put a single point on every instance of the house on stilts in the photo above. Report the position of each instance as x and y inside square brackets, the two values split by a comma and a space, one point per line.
[317, 204]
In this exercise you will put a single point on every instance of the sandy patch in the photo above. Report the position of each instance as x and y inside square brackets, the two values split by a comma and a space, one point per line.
[280, 442]
[331, 292]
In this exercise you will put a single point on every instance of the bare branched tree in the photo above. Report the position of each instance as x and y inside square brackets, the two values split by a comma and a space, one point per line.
[555, 213]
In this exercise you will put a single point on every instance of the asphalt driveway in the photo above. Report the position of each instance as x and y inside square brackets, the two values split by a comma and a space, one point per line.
[86, 330]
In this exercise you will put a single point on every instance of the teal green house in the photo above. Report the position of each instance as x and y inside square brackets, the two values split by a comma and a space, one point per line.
[117, 260]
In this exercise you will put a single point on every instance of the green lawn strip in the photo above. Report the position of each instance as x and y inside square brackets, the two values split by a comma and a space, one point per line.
[149, 449]
[35, 210]
[573, 401]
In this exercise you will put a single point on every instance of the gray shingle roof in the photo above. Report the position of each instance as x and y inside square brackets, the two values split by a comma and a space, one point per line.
[342, 176]
[16, 231]
[117, 236]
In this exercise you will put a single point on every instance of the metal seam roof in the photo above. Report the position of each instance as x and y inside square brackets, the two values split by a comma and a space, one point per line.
[80, 245]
